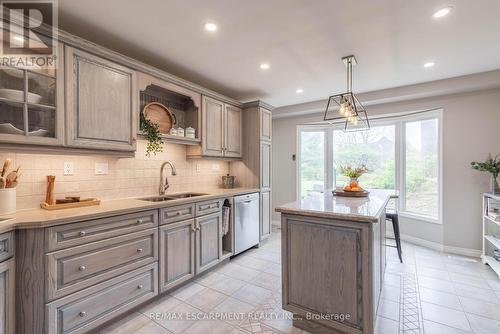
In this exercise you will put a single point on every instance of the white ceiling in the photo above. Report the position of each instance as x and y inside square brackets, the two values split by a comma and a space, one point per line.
[302, 40]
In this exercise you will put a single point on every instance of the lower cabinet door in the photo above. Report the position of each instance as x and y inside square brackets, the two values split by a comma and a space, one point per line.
[265, 214]
[87, 309]
[177, 244]
[7, 300]
[208, 241]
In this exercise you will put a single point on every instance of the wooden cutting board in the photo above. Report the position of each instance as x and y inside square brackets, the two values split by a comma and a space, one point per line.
[82, 203]
[159, 114]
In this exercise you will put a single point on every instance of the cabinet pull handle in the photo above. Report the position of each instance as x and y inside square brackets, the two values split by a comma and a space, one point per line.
[82, 268]
[140, 286]
[139, 250]
[82, 314]
[140, 221]
[82, 233]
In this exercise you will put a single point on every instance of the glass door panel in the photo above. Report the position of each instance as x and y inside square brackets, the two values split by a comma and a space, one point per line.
[11, 118]
[312, 162]
[42, 89]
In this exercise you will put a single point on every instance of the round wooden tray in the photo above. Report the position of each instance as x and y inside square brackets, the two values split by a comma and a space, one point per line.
[343, 193]
[159, 114]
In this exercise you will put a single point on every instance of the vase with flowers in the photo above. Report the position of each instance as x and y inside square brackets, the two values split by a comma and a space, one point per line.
[491, 165]
[353, 173]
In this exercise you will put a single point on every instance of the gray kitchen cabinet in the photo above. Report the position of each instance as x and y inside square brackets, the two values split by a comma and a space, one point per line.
[212, 128]
[222, 132]
[265, 165]
[266, 213]
[265, 124]
[7, 297]
[208, 241]
[101, 103]
[177, 257]
[232, 131]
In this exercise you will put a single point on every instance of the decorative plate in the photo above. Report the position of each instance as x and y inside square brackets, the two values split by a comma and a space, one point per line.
[159, 114]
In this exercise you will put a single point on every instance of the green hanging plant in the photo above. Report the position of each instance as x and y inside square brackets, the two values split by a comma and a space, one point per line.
[152, 133]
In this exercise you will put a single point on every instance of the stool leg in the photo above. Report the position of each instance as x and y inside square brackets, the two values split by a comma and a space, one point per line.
[395, 227]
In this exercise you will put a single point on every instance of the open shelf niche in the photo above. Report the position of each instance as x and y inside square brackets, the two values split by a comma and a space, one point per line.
[182, 103]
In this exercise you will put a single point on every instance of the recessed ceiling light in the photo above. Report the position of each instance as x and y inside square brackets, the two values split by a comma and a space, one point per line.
[442, 12]
[210, 26]
[429, 64]
[299, 91]
[264, 66]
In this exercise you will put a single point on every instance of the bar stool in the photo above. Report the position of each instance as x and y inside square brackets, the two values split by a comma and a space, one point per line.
[392, 215]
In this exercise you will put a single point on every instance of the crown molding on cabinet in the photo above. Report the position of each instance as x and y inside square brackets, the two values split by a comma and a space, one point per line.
[258, 103]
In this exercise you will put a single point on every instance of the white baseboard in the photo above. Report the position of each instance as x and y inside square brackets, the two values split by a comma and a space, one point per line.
[438, 246]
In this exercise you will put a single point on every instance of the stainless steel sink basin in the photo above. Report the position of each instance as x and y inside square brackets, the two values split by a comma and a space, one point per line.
[170, 197]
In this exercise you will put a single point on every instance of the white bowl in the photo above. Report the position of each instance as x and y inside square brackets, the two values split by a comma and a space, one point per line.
[10, 129]
[16, 73]
[18, 95]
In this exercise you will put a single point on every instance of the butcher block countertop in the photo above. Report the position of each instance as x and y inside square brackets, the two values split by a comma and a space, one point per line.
[39, 218]
[325, 205]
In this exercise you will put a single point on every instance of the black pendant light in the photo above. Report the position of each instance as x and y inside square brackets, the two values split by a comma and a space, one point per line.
[346, 106]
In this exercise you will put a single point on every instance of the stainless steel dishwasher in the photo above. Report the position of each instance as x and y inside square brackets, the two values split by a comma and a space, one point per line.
[246, 221]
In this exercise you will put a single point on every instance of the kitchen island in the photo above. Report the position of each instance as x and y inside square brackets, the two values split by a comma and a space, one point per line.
[333, 261]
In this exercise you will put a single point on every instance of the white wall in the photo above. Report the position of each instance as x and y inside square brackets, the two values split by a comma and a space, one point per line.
[471, 129]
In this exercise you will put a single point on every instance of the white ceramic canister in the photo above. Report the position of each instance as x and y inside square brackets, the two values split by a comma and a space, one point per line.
[190, 132]
[7, 201]
[180, 132]
[173, 132]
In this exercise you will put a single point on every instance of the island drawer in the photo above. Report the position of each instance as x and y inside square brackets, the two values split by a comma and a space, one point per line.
[87, 309]
[79, 267]
[176, 213]
[69, 235]
[207, 207]
[6, 246]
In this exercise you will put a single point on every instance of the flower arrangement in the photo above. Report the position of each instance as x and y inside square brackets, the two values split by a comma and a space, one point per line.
[353, 173]
[491, 165]
[152, 133]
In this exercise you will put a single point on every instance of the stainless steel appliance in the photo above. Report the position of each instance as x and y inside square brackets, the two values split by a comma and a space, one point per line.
[246, 222]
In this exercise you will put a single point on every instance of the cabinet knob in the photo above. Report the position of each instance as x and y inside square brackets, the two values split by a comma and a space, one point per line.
[82, 314]
[82, 233]
[198, 228]
[139, 250]
[140, 221]
[193, 229]
[140, 286]
[82, 268]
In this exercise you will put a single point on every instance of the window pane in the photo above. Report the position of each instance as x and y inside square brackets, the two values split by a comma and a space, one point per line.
[422, 168]
[374, 148]
[312, 162]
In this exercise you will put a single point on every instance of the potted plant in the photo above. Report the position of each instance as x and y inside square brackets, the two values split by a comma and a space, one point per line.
[354, 174]
[152, 133]
[492, 166]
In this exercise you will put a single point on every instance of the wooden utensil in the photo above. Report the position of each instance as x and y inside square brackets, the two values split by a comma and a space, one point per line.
[3, 182]
[159, 114]
[49, 197]
[6, 165]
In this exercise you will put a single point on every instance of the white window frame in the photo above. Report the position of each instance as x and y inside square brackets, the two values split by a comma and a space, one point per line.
[399, 121]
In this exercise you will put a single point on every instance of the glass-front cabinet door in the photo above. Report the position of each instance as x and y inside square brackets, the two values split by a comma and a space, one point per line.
[31, 105]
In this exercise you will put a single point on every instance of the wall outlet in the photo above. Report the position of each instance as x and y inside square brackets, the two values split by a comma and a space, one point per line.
[101, 168]
[198, 168]
[215, 167]
[69, 168]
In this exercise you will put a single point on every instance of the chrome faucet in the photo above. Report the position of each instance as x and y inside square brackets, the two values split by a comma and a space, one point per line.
[164, 186]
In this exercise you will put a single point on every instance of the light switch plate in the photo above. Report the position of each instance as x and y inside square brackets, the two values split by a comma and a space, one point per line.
[69, 168]
[101, 168]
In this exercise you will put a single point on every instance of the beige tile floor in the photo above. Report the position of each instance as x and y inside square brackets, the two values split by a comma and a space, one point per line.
[432, 292]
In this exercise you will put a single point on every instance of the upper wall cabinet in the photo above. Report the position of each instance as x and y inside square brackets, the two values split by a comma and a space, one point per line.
[265, 124]
[32, 105]
[221, 130]
[101, 103]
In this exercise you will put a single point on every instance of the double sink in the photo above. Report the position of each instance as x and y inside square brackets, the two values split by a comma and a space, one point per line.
[171, 197]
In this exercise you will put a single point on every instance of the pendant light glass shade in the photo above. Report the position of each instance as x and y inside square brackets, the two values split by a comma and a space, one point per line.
[346, 107]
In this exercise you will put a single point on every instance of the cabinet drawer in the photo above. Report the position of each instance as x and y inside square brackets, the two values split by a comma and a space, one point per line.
[204, 208]
[176, 213]
[89, 308]
[80, 267]
[69, 235]
[6, 246]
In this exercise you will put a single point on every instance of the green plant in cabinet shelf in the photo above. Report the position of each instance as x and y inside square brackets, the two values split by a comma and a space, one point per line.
[491, 165]
[152, 133]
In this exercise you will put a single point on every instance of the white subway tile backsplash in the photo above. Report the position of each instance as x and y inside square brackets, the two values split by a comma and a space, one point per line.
[128, 177]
